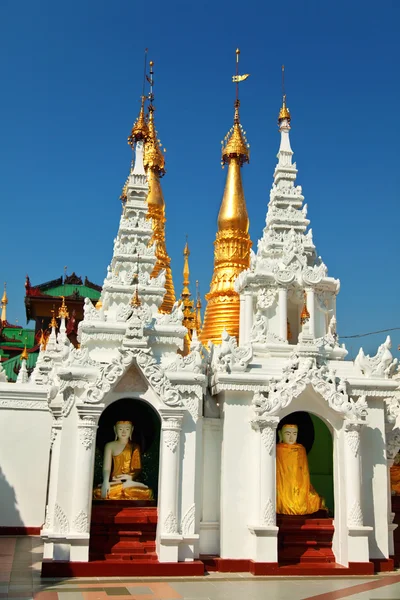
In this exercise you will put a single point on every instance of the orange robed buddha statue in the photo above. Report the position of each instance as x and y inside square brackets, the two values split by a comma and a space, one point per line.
[395, 476]
[122, 462]
[294, 493]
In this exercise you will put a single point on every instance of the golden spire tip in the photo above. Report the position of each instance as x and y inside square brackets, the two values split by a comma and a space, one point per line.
[24, 355]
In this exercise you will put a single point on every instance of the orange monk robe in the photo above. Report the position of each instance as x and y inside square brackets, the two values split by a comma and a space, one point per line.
[294, 493]
[128, 462]
[395, 479]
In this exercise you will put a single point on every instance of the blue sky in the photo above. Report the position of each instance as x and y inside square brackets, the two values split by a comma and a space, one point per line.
[71, 77]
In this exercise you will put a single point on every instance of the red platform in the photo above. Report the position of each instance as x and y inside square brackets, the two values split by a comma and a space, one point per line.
[123, 530]
[305, 539]
[122, 543]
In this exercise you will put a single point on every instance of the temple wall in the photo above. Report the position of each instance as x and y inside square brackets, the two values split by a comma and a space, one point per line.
[25, 431]
[211, 475]
[374, 479]
[237, 475]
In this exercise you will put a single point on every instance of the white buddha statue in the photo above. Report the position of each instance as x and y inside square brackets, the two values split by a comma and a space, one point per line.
[121, 465]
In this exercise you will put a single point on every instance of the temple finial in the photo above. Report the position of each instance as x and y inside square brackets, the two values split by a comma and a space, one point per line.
[232, 244]
[53, 322]
[24, 355]
[235, 144]
[284, 113]
[189, 317]
[198, 308]
[4, 302]
[63, 310]
[140, 128]
[154, 165]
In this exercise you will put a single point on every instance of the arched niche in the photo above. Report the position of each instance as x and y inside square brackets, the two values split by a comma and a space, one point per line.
[316, 437]
[147, 429]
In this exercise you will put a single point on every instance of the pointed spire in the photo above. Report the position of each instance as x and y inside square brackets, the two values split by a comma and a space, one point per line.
[154, 165]
[189, 317]
[63, 310]
[24, 355]
[4, 302]
[140, 129]
[198, 308]
[284, 113]
[232, 244]
[53, 322]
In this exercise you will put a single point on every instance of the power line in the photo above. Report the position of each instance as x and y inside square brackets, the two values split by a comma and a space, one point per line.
[359, 335]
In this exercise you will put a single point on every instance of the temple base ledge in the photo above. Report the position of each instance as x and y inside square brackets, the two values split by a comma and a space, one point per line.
[49, 536]
[359, 530]
[264, 530]
[171, 539]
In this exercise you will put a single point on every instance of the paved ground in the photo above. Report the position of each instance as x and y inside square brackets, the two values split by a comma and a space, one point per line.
[20, 579]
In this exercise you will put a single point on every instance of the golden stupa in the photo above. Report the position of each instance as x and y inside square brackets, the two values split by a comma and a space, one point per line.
[189, 315]
[232, 244]
[154, 165]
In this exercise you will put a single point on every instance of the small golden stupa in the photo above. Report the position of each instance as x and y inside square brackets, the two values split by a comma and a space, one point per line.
[189, 315]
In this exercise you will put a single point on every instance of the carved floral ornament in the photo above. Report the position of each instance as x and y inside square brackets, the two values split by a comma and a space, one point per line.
[296, 377]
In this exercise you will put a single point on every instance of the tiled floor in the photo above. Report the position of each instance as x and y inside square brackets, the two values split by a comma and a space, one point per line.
[20, 579]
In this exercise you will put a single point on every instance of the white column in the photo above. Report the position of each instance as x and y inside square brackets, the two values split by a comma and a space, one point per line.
[83, 485]
[48, 526]
[357, 533]
[248, 316]
[242, 328]
[311, 309]
[265, 530]
[168, 534]
[283, 313]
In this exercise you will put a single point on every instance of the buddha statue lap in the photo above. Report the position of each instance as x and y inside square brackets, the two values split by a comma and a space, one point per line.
[122, 462]
[294, 493]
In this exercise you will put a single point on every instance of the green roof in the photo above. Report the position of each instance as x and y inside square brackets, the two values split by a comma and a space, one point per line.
[9, 365]
[19, 337]
[69, 289]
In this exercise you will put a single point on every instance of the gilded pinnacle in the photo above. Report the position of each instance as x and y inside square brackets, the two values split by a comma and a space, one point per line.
[63, 311]
[4, 302]
[153, 157]
[284, 112]
[24, 355]
[53, 322]
[140, 129]
[235, 144]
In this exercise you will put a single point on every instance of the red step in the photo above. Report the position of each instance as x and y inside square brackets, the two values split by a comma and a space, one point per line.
[305, 539]
[123, 531]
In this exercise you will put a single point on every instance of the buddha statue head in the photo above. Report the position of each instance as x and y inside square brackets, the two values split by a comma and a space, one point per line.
[123, 430]
[288, 434]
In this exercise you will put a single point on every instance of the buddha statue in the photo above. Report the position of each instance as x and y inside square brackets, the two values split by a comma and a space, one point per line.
[395, 476]
[121, 466]
[294, 493]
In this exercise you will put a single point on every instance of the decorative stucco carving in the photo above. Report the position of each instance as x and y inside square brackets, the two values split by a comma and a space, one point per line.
[297, 375]
[61, 524]
[382, 365]
[229, 357]
[268, 514]
[87, 431]
[170, 524]
[355, 518]
[266, 297]
[81, 522]
[188, 521]
[352, 430]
